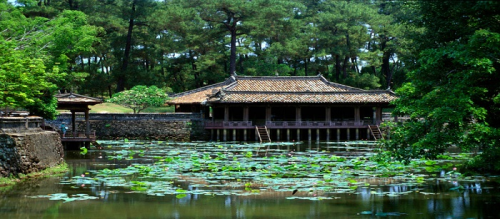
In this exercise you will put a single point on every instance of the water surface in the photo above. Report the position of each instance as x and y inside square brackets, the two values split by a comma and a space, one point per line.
[268, 181]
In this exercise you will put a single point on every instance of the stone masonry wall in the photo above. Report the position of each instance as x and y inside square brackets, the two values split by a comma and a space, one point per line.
[171, 126]
[144, 129]
[27, 151]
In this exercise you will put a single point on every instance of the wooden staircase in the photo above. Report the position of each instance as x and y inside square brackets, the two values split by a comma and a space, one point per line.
[376, 133]
[263, 133]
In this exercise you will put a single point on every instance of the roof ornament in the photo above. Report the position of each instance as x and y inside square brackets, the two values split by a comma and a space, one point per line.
[319, 74]
[276, 73]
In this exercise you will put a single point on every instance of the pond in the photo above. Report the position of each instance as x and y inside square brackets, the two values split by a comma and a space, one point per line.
[159, 179]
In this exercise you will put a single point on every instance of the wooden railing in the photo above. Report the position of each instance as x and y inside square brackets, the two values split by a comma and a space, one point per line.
[288, 124]
[228, 124]
[312, 124]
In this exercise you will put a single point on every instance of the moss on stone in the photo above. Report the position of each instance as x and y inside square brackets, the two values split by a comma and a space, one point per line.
[7, 182]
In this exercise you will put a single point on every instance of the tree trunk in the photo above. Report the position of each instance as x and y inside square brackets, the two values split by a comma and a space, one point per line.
[240, 64]
[344, 67]
[386, 70]
[120, 86]
[232, 58]
[306, 60]
[337, 67]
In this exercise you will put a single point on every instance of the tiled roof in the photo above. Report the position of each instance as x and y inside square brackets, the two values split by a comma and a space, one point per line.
[287, 84]
[243, 89]
[199, 95]
[71, 98]
[304, 97]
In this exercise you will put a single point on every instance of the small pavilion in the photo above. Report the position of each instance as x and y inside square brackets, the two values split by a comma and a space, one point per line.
[288, 107]
[77, 103]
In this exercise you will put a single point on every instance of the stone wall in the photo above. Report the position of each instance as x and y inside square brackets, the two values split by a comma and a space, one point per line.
[26, 150]
[142, 129]
[171, 126]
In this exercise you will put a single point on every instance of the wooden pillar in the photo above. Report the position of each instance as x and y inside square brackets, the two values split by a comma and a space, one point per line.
[234, 134]
[317, 134]
[368, 134]
[245, 113]
[338, 134]
[374, 119]
[379, 115]
[73, 122]
[226, 113]
[357, 116]
[328, 114]
[87, 123]
[218, 134]
[348, 134]
[298, 114]
[278, 134]
[288, 135]
[244, 134]
[298, 134]
[256, 135]
[357, 134]
[309, 134]
[327, 135]
[268, 114]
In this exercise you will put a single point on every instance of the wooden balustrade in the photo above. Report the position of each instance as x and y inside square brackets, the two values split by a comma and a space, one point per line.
[287, 124]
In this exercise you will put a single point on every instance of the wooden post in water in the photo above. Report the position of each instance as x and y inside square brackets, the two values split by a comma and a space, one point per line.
[234, 134]
[298, 135]
[357, 134]
[224, 135]
[317, 135]
[348, 134]
[288, 135]
[327, 135]
[218, 134]
[244, 134]
[309, 134]
[278, 134]
[338, 134]
[367, 134]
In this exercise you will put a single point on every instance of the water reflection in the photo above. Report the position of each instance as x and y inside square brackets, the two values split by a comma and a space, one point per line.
[434, 199]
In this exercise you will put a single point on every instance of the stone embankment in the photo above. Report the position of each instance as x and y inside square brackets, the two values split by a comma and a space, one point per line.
[26, 148]
[171, 126]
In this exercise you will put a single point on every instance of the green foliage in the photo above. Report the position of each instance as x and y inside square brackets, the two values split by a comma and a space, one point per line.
[364, 81]
[23, 80]
[140, 97]
[451, 96]
[36, 54]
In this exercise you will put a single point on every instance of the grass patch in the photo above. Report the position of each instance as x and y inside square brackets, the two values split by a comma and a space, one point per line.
[109, 108]
[115, 108]
[161, 109]
[7, 182]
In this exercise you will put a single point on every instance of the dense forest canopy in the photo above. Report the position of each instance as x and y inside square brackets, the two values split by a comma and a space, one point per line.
[441, 57]
[188, 44]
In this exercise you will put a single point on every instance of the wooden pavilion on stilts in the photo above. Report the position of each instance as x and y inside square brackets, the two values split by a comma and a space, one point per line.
[77, 103]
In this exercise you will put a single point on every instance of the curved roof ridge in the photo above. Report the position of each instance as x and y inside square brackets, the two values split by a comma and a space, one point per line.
[312, 92]
[338, 85]
[276, 77]
[225, 82]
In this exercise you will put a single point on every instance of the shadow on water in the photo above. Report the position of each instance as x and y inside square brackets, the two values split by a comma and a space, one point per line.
[142, 179]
